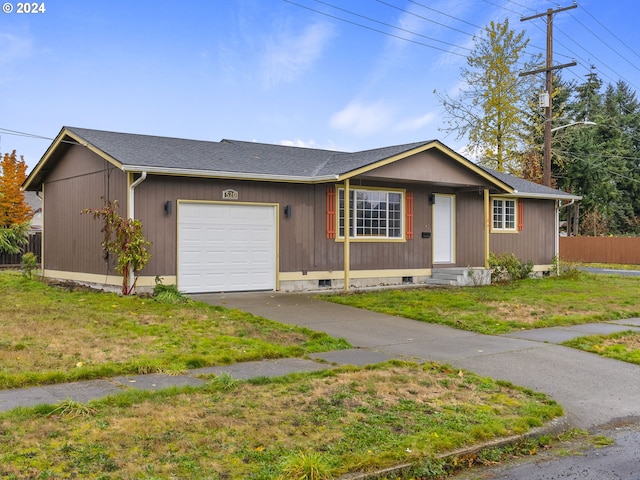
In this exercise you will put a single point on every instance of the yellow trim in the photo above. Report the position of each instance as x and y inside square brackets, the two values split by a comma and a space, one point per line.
[372, 239]
[515, 216]
[454, 239]
[431, 145]
[354, 274]
[283, 179]
[56, 143]
[233, 202]
[347, 228]
[101, 279]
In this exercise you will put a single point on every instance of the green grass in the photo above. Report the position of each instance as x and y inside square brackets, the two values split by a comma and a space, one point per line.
[325, 424]
[495, 309]
[51, 335]
[624, 346]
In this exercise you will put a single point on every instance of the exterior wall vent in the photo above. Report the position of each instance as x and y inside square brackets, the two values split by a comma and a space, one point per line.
[324, 283]
[406, 280]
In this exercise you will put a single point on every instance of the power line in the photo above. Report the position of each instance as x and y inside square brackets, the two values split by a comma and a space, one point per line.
[612, 49]
[391, 26]
[610, 32]
[375, 29]
[24, 134]
[442, 13]
[426, 19]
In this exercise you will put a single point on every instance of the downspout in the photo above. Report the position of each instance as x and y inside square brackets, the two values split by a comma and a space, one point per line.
[557, 231]
[131, 210]
[347, 235]
[40, 195]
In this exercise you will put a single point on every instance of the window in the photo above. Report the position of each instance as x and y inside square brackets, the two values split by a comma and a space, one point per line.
[504, 214]
[373, 213]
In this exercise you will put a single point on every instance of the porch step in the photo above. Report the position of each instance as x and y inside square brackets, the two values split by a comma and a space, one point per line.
[440, 282]
[460, 276]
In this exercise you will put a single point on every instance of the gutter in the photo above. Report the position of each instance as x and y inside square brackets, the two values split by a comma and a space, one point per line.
[542, 196]
[233, 175]
[131, 215]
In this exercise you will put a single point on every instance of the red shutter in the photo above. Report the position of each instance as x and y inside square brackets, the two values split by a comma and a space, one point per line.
[520, 214]
[331, 212]
[409, 214]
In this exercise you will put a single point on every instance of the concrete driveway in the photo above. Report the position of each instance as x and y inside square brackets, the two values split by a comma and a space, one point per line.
[594, 391]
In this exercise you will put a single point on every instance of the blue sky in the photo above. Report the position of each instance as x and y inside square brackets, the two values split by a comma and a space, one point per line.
[273, 71]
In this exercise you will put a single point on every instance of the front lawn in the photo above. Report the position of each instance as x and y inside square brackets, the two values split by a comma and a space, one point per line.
[495, 309]
[331, 423]
[624, 346]
[51, 335]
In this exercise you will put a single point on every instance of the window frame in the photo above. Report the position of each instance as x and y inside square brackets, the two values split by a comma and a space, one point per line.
[362, 236]
[503, 221]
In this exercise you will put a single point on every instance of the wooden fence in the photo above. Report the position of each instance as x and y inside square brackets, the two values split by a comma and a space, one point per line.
[619, 250]
[34, 246]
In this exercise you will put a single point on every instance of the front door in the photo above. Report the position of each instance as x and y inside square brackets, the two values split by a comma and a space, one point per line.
[444, 229]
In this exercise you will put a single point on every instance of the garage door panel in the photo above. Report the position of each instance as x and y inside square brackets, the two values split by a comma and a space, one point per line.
[224, 247]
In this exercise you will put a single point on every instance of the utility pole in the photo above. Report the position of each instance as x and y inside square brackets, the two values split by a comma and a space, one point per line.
[549, 68]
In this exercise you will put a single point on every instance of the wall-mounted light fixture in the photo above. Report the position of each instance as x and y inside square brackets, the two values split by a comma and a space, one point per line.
[167, 207]
[432, 199]
[287, 211]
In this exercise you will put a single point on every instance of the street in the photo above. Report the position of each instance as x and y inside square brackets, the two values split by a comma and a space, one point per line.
[575, 460]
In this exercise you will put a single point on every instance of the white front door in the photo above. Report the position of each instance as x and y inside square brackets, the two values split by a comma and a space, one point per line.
[444, 229]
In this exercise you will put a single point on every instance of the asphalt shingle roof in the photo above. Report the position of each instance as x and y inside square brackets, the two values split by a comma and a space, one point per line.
[167, 155]
[231, 155]
[524, 186]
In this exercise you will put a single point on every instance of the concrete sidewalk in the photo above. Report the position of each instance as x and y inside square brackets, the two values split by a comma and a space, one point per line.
[593, 390]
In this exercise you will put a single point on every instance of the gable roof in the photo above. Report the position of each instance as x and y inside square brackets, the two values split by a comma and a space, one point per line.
[248, 160]
[525, 188]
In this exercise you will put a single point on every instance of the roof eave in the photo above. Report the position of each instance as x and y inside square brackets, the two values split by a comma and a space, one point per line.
[65, 132]
[264, 177]
[544, 196]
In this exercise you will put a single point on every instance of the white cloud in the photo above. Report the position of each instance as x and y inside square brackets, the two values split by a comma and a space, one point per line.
[298, 143]
[416, 123]
[362, 119]
[13, 47]
[288, 56]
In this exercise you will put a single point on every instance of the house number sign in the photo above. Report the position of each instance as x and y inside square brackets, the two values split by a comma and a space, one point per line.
[230, 194]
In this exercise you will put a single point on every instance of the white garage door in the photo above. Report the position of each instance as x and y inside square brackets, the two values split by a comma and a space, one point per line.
[226, 248]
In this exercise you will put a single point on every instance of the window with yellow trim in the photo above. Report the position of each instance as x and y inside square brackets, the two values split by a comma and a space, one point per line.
[504, 214]
[373, 213]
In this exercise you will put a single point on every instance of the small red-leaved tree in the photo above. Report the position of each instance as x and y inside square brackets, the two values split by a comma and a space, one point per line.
[123, 238]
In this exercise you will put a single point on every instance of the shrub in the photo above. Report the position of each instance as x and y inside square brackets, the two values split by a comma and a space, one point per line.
[168, 293]
[565, 269]
[29, 264]
[506, 267]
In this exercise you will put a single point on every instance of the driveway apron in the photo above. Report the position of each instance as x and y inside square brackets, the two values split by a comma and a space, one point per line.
[593, 390]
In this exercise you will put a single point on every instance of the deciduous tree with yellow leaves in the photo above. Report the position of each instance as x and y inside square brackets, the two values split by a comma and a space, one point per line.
[15, 213]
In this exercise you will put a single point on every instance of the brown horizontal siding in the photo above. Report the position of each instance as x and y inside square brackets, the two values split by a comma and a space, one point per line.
[72, 240]
[470, 232]
[536, 242]
[619, 250]
[303, 242]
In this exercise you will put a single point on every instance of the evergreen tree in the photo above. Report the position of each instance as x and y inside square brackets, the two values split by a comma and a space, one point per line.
[602, 163]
